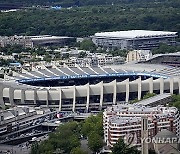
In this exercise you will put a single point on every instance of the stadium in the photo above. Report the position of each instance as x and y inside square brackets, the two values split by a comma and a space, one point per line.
[172, 59]
[88, 88]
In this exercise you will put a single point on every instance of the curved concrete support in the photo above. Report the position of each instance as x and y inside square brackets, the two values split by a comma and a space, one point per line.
[1, 96]
[87, 103]
[35, 96]
[60, 102]
[74, 99]
[179, 84]
[139, 88]
[101, 95]
[127, 89]
[22, 96]
[171, 85]
[11, 96]
[151, 85]
[115, 91]
[161, 85]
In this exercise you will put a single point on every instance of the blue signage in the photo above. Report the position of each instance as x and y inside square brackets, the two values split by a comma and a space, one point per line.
[93, 76]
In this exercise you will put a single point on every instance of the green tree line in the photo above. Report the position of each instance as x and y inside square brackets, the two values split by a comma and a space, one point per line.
[67, 3]
[66, 139]
[85, 21]
[175, 101]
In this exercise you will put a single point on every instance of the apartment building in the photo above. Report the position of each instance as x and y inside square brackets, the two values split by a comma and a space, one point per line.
[96, 59]
[139, 55]
[101, 59]
[125, 120]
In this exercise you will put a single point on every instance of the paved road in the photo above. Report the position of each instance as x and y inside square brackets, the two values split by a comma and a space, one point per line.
[18, 149]
[84, 146]
[24, 148]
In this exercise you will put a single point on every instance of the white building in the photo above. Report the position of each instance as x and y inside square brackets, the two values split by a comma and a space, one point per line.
[96, 59]
[138, 55]
[101, 59]
[124, 120]
[134, 39]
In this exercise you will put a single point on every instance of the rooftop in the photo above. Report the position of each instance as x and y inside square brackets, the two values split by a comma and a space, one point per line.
[135, 109]
[49, 38]
[156, 98]
[165, 134]
[124, 120]
[135, 34]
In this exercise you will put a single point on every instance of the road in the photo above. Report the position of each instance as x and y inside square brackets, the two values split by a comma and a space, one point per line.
[24, 148]
[18, 149]
[84, 146]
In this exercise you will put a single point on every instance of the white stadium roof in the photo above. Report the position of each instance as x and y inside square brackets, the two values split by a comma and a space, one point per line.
[50, 38]
[134, 34]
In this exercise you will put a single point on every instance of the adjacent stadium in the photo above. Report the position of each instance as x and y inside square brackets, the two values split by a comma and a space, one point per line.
[88, 88]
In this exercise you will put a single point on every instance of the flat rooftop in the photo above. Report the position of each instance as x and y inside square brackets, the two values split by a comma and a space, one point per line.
[135, 34]
[153, 99]
[124, 120]
[137, 108]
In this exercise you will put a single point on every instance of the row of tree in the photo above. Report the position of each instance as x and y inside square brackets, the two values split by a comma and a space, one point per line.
[67, 3]
[164, 48]
[67, 138]
[85, 21]
[175, 101]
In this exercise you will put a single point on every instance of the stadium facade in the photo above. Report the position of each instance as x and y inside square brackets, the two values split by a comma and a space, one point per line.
[134, 39]
[87, 88]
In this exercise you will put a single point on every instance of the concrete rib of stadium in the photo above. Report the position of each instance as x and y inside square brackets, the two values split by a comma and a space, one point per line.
[87, 88]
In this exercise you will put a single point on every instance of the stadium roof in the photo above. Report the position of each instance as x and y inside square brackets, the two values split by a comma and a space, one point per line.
[67, 73]
[50, 38]
[135, 34]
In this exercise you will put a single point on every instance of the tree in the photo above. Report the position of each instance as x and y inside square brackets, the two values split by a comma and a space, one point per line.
[35, 148]
[93, 124]
[175, 101]
[148, 95]
[164, 48]
[85, 21]
[82, 54]
[87, 45]
[77, 150]
[95, 142]
[116, 52]
[65, 138]
[121, 148]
